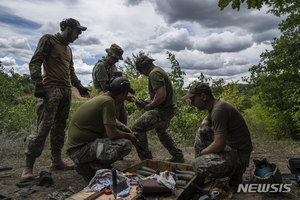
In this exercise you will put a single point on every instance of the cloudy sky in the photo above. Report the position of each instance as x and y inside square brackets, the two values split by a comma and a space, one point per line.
[220, 44]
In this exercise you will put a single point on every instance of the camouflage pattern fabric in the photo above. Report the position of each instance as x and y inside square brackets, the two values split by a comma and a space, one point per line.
[159, 121]
[113, 150]
[86, 160]
[256, 177]
[103, 71]
[229, 163]
[49, 46]
[52, 113]
[204, 137]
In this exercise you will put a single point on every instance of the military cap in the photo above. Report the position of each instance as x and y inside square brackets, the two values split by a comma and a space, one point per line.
[119, 84]
[73, 23]
[197, 88]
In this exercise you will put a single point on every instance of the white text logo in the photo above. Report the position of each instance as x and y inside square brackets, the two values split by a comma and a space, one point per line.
[264, 187]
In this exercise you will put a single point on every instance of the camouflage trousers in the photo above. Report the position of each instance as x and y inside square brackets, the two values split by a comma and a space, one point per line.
[229, 163]
[52, 113]
[159, 121]
[98, 154]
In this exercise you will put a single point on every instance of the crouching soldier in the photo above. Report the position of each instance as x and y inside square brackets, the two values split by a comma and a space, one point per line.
[96, 139]
[223, 143]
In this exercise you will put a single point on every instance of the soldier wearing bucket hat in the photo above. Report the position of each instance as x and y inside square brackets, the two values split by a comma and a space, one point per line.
[96, 139]
[104, 70]
[223, 143]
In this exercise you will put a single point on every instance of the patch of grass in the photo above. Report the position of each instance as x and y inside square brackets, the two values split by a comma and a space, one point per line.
[12, 145]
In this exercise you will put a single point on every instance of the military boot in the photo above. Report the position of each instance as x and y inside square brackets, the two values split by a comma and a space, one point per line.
[171, 146]
[85, 170]
[58, 164]
[27, 171]
[177, 158]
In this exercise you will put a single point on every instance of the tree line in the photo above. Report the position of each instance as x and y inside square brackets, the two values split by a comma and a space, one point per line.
[268, 99]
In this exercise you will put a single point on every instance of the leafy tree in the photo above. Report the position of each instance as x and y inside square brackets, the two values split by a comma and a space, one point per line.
[16, 112]
[233, 93]
[276, 78]
[176, 75]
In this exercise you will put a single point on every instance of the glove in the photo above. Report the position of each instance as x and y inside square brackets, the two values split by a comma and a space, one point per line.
[84, 92]
[140, 103]
[148, 107]
[39, 91]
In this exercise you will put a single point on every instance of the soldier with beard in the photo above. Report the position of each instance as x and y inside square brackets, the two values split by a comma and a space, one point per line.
[53, 91]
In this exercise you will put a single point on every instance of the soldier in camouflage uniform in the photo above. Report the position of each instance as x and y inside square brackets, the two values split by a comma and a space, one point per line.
[96, 139]
[160, 108]
[53, 91]
[223, 143]
[104, 70]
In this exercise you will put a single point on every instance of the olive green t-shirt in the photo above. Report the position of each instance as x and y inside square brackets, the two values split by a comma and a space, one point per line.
[88, 122]
[102, 71]
[158, 78]
[225, 118]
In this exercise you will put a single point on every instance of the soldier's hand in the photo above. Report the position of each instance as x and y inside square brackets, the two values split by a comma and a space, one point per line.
[130, 98]
[133, 139]
[140, 103]
[148, 107]
[84, 91]
[39, 91]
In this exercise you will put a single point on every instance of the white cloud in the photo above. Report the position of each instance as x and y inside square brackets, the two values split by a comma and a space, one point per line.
[204, 39]
[8, 61]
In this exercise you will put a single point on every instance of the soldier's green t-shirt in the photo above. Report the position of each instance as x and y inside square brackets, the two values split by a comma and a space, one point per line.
[158, 78]
[225, 118]
[102, 71]
[88, 122]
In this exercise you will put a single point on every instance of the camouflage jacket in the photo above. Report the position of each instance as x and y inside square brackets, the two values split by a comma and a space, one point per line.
[54, 53]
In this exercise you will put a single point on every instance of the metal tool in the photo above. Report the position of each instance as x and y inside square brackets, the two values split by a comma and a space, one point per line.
[114, 180]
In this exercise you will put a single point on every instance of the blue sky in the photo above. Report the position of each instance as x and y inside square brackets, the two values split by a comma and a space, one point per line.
[220, 44]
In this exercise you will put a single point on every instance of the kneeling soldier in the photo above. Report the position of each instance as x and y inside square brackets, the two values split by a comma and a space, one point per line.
[96, 138]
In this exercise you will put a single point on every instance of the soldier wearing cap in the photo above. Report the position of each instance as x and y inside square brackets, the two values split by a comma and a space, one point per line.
[53, 91]
[223, 143]
[104, 70]
[96, 138]
[160, 108]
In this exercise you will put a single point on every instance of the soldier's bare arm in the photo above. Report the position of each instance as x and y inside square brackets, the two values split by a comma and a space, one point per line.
[217, 145]
[159, 97]
[113, 133]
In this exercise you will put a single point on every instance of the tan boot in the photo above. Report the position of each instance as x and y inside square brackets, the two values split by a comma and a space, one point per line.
[27, 172]
[58, 164]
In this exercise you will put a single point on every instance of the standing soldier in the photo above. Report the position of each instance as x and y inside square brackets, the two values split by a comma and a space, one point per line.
[53, 91]
[104, 70]
[160, 108]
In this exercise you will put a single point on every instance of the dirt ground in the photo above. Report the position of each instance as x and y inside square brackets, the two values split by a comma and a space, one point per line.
[274, 152]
